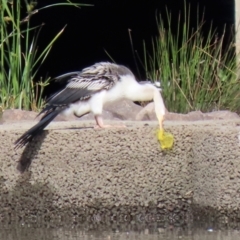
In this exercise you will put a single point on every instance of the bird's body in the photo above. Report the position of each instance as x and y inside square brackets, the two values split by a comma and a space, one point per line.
[88, 91]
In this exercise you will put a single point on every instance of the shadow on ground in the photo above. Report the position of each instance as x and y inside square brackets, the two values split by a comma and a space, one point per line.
[30, 151]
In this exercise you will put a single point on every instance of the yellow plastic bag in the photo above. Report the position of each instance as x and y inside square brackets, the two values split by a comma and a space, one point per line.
[166, 139]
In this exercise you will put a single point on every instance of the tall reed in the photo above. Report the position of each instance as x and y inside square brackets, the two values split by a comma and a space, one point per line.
[195, 72]
[20, 59]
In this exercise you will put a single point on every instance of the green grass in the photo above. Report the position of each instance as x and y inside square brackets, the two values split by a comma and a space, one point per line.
[195, 72]
[20, 59]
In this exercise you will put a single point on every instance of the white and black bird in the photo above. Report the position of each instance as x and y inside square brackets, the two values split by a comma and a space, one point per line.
[88, 90]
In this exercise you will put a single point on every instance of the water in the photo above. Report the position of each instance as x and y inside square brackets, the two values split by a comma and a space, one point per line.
[129, 231]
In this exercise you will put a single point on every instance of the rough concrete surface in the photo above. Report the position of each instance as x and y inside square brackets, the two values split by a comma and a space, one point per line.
[122, 174]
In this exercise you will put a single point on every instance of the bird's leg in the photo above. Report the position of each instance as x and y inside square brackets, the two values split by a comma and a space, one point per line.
[79, 115]
[100, 124]
[80, 109]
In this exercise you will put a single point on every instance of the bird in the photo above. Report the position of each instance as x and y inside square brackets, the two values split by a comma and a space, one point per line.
[88, 90]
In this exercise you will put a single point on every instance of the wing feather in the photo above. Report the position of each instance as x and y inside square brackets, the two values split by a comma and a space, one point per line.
[81, 88]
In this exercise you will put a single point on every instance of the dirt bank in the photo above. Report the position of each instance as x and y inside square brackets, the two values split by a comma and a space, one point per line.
[78, 172]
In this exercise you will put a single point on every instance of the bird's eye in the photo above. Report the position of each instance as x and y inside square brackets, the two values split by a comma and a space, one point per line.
[157, 84]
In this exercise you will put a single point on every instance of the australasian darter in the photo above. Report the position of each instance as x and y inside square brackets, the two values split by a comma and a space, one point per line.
[88, 90]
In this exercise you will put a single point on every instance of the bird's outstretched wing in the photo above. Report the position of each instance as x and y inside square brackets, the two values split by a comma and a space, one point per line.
[80, 86]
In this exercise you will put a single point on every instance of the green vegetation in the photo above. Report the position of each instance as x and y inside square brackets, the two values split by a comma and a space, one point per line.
[19, 56]
[195, 72]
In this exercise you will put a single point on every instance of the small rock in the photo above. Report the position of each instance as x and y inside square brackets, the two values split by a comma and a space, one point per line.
[146, 113]
[13, 115]
[192, 116]
[221, 115]
[124, 109]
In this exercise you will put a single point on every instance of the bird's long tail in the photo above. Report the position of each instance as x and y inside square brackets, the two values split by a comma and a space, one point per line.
[51, 113]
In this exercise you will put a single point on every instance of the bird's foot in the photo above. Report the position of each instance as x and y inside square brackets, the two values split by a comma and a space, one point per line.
[100, 124]
[109, 126]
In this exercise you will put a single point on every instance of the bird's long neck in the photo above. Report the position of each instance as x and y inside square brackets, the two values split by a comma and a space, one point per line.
[139, 92]
[159, 107]
[159, 104]
[145, 92]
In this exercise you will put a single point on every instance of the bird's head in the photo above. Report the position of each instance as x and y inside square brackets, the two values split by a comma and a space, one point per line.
[154, 83]
[157, 84]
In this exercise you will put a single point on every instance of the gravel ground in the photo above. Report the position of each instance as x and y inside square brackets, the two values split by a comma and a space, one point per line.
[78, 172]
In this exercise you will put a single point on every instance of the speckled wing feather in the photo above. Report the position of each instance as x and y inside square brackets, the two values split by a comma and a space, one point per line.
[80, 88]
[83, 84]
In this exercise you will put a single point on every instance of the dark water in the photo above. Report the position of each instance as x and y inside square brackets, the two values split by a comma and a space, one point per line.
[130, 231]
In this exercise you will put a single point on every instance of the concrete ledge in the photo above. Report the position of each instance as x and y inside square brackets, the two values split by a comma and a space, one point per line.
[79, 172]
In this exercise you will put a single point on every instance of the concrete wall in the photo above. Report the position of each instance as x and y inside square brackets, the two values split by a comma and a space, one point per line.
[122, 174]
